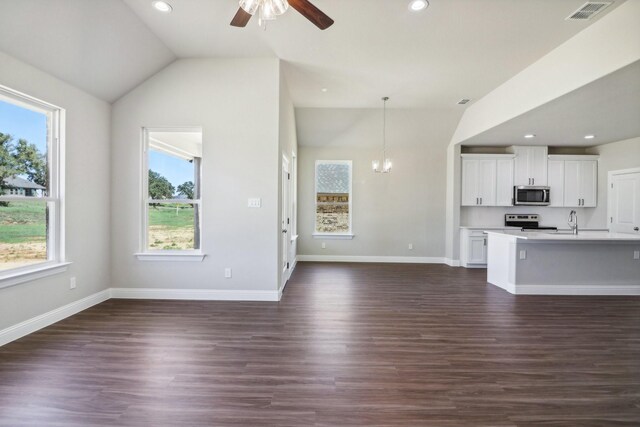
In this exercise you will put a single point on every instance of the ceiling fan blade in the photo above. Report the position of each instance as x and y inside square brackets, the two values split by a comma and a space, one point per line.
[312, 13]
[241, 19]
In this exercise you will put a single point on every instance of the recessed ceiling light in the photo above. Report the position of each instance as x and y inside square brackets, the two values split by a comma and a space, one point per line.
[418, 5]
[530, 135]
[324, 89]
[162, 6]
[589, 136]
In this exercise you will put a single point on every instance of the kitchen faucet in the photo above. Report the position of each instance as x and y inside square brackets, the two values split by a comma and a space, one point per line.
[573, 222]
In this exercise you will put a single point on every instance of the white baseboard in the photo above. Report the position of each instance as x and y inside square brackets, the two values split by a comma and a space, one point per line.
[194, 294]
[578, 289]
[452, 262]
[29, 326]
[382, 259]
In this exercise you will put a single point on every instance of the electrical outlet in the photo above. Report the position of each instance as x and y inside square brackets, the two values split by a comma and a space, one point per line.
[227, 273]
[72, 283]
[636, 254]
[523, 254]
[324, 245]
[410, 246]
[255, 202]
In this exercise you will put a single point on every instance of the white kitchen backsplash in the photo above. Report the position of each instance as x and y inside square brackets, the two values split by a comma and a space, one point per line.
[550, 217]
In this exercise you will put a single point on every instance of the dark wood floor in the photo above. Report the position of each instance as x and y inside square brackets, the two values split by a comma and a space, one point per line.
[349, 344]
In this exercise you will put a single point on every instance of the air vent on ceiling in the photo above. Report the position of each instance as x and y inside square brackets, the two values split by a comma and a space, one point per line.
[463, 101]
[588, 10]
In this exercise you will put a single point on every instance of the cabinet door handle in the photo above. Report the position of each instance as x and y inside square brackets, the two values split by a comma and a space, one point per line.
[480, 200]
[636, 229]
[485, 241]
[533, 181]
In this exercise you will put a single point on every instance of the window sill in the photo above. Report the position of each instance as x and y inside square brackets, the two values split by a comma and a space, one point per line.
[334, 236]
[171, 256]
[38, 271]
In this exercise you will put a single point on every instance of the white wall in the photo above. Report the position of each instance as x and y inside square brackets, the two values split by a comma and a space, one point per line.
[614, 156]
[87, 196]
[389, 210]
[236, 103]
[288, 147]
[600, 49]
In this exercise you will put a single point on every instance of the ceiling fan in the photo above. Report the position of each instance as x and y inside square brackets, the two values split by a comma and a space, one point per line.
[268, 10]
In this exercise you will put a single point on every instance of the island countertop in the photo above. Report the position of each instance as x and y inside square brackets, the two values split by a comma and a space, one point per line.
[551, 236]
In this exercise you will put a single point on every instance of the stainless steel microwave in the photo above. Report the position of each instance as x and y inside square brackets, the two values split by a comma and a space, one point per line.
[531, 196]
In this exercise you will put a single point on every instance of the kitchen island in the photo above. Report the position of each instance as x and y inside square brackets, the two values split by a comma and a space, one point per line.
[561, 263]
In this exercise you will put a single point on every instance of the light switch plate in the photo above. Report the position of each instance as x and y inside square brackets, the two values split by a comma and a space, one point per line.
[227, 273]
[523, 254]
[255, 202]
[636, 254]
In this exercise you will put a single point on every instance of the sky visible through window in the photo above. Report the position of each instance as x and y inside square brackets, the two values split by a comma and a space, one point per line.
[22, 123]
[177, 171]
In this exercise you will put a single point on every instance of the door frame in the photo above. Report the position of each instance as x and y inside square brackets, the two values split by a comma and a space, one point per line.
[285, 209]
[610, 176]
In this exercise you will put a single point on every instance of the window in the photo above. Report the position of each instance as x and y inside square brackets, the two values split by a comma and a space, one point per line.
[171, 192]
[333, 199]
[30, 191]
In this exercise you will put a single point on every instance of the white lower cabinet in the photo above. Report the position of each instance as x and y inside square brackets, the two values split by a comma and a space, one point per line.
[473, 248]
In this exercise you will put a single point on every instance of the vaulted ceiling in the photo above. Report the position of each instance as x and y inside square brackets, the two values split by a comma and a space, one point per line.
[454, 49]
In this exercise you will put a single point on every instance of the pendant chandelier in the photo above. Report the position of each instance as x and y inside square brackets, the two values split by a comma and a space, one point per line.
[386, 162]
[268, 10]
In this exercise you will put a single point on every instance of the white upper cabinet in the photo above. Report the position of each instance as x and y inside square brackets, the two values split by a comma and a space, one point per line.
[487, 180]
[555, 175]
[573, 180]
[580, 183]
[530, 165]
[504, 182]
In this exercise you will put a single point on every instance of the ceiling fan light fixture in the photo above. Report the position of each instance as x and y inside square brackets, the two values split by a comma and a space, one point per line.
[268, 9]
[250, 6]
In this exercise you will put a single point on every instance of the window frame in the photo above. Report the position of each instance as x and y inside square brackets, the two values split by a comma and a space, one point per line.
[146, 254]
[55, 200]
[326, 235]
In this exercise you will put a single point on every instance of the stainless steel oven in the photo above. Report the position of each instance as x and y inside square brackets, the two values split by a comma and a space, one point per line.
[531, 195]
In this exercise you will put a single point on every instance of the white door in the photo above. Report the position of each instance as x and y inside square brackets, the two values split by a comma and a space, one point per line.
[470, 196]
[285, 220]
[487, 182]
[504, 182]
[588, 175]
[624, 202]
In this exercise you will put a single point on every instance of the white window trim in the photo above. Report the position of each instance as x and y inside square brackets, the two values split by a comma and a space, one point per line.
[56, 262]
[316, 234]
[180, 256]
[36, 271]
[144, 254]
[334, 236]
